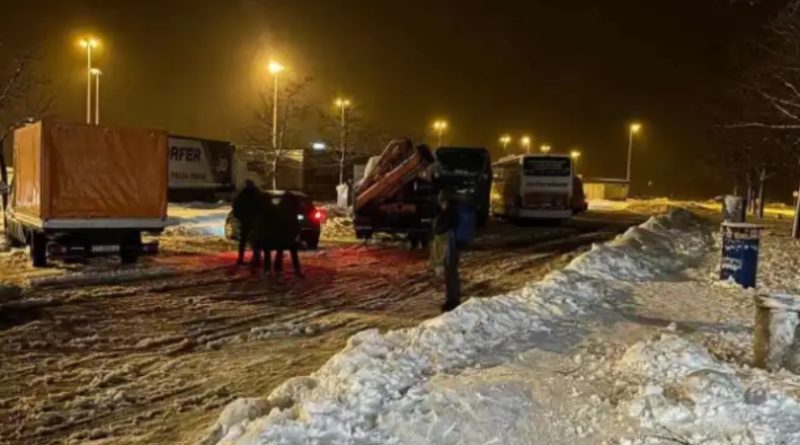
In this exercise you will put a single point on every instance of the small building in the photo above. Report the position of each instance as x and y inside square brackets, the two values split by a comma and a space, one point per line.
[612, 189]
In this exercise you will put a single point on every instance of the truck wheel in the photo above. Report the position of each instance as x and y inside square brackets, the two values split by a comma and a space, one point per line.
[39, 249]
[483, 218]
[130, 249]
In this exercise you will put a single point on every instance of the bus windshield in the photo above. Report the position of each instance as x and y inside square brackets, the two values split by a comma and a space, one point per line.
[462, 161]
[547, 166]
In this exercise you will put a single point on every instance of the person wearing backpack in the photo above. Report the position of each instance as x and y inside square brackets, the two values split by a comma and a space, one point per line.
[454, 228]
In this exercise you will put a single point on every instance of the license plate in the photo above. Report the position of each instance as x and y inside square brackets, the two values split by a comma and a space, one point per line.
[105, 249]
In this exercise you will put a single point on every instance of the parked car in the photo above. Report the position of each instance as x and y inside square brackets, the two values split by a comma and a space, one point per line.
[310, 216]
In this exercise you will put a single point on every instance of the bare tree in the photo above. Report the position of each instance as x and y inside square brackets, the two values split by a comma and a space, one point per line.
[768, 116]
[292, 107]
[23, 97]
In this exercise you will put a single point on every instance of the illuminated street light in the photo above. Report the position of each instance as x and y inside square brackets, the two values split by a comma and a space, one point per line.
[89, 43]
[275, 67]
[575, 155]
[634, 128]
[545, 149]
[526, 143]
[440, 126]
[96, 73]
[343, 105]
[318, 146]
[505, 140]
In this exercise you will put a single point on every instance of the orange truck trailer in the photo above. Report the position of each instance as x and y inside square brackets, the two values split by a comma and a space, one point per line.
[83, 190]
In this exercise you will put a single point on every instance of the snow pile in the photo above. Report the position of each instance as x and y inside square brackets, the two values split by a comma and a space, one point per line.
[778, 264]
[686, 396]
[346, 400]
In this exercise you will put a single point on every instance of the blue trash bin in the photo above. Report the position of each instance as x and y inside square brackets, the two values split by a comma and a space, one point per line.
[740, 242]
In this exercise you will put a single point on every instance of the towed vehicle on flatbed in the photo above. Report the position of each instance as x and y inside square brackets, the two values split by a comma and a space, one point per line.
[82, 190]
[397, 194]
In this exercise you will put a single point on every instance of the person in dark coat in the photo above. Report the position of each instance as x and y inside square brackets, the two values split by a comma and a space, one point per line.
[444, 228]
[246, 207]
[288, 233]
[262, 235]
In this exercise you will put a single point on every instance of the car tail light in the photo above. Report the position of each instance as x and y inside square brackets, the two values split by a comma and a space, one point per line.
[318, 215]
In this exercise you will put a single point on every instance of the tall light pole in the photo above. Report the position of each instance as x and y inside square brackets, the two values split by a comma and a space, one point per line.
[505, 140]
[526, 144]
[97, 73]
[89, 44]
[575, 155]
[344, 105]
[545, 148]
[632, 130]
[440, 126]
[275, 68]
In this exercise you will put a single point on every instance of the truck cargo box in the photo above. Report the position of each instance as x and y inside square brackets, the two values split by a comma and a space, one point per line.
[77, 175]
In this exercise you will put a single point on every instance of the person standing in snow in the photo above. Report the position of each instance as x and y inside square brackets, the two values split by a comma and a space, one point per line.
[246, 207]
[264, 233]
[288, 233]
[446, 246]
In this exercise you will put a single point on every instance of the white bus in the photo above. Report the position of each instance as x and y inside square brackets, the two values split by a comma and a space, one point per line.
[535, 186]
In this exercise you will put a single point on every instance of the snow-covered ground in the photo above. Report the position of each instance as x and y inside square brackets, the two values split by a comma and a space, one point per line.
[634, 342]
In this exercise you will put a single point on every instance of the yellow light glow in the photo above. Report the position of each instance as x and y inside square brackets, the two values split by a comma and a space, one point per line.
[636, 127]
[526, 141]
[575, 154]
[545, 148]
[505, 139]
[89, 42]
[343, 103]
[96, 71]
[275, 67]
[440, 125]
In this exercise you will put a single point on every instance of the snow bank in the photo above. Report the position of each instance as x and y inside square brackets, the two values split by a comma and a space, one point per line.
[378, 375]
[686, 396]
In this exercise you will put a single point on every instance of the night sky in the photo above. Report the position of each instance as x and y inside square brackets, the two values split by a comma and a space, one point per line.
[570, 73]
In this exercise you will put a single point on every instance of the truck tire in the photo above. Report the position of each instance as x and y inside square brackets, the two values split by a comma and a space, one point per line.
[38, 249]
[483, 218]
[130, 248]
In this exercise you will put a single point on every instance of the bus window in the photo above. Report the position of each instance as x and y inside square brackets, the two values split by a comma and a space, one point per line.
[547, 166]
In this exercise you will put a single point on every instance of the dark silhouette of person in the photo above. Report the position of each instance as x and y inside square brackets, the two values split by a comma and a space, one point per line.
[445, 227]
[246, 207]
[265, 229]
[288, 231]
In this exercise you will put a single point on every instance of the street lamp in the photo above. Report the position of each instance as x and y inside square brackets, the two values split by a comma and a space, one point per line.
[89, 43]
[440, 126]
[275, 68]
[575, 155]
[96, 73]
[634, 128]
[343, 104]
[505, 139]
[526, 144]
[545, 148]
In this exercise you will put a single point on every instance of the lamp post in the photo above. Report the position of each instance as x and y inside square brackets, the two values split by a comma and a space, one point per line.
[97, 73]
[275, 68]
[526, 144]
[343, 105]
[634, 128]
[440, 126]
[545, 148]
[505, 139]
[89, 44]
[575, 155]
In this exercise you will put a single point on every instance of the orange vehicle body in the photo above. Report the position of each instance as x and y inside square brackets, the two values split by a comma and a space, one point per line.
[79, 171]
